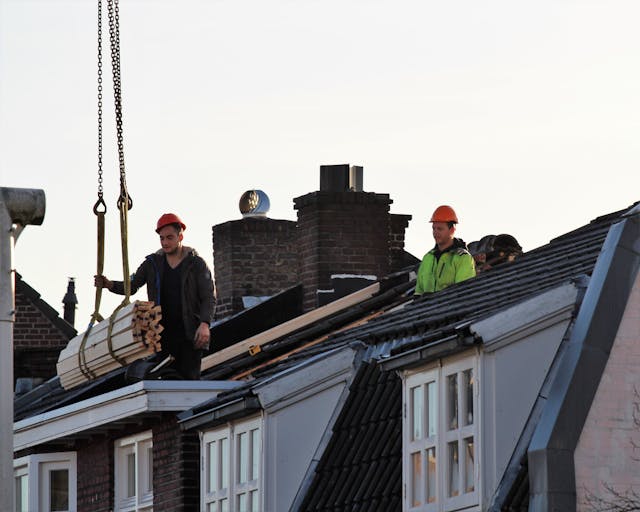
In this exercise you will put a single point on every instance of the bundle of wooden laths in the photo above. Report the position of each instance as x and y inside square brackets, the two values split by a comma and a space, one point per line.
[132, 332]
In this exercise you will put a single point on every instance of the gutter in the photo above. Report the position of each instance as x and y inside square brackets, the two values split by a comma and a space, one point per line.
[440, 348]
[550, 455]
[238, 408]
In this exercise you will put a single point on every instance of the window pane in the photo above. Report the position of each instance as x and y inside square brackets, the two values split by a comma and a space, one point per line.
[416, 479]
[432, 404]
[243, 456]
[242, 503]
[224, 463]
[212, 462]
[467, 383]
[417, 411]
[431, 475]
[454, 470]
[22, 493]
[469, 482]
[255, 454]
[131, 475]
[452, 401]
[224, 505]
[59, 490]
[254, 501]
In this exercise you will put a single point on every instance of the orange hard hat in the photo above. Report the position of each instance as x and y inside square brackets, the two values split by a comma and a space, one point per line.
[169, 218]
[444, 213]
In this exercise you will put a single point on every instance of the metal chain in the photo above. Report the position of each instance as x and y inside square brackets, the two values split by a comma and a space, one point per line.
[100, 201]
[124, 202]
[114, 35]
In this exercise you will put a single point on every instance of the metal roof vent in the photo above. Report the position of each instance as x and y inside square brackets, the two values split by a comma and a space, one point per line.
[254, 203]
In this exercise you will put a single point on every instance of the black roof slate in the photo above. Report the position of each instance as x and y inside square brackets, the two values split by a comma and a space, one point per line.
[361, 468]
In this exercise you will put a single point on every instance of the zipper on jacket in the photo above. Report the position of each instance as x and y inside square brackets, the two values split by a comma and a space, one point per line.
[442, 269]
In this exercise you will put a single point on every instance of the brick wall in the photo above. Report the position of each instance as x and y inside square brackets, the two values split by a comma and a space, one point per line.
[605, 451]
[341, 233]
[95, 475]
[252, 257]
[176, 470]
[39, 334]
[397, 226]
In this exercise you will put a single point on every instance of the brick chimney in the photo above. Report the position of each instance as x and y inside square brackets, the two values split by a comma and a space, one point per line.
[344, 239]
[253, 257]
[341, 230]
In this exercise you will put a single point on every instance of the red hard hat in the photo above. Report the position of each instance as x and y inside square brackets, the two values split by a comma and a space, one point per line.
[169, 218]
[444, 213]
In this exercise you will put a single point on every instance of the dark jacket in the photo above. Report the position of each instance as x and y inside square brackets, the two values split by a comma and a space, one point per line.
[198, 301]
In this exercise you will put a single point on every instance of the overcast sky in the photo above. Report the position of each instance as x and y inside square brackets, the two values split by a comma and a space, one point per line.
[524, 116]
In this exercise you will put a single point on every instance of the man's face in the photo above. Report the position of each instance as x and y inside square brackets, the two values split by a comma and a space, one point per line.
[170, 239]
[442, 233]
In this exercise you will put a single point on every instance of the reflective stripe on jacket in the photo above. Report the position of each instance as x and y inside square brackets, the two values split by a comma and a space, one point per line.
[454, 266]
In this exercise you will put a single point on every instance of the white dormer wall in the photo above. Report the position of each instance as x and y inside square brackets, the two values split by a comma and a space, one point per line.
[299, 407]
[518, 347]
[297, 410]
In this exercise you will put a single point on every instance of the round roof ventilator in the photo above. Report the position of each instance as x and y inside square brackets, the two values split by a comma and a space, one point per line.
[254, 203]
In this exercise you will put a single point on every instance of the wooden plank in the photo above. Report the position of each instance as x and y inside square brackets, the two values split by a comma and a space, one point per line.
[288, 327]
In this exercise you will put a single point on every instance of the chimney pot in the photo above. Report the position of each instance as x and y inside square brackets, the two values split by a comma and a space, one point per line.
[341, 178]
[70, 300]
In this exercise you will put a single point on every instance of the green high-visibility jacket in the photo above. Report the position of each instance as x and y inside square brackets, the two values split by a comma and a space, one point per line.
[454, 266]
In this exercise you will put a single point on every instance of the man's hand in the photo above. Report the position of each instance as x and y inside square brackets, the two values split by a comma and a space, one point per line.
[102, 282]
[202, 336]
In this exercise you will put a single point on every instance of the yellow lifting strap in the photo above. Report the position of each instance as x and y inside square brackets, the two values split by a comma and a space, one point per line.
[95, 316]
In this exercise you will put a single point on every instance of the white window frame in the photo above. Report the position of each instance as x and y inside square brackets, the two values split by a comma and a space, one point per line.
[237, 485]
[36, 468]
[438, 374]
[142, 499]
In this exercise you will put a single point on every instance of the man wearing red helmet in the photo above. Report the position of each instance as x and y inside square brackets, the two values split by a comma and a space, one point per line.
[449, 261]
[180, 281]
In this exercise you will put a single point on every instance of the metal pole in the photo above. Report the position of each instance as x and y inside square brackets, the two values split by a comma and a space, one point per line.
[18, 208]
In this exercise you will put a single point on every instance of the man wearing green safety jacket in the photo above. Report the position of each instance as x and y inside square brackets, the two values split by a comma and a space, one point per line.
[449, 262]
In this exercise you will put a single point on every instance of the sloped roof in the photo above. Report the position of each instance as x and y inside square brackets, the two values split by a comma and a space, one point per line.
[432, 321]
[433, 315]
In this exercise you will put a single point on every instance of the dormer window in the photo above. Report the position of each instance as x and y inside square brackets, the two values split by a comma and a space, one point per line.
[134, 473]
[440, 469]
[231, 467]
